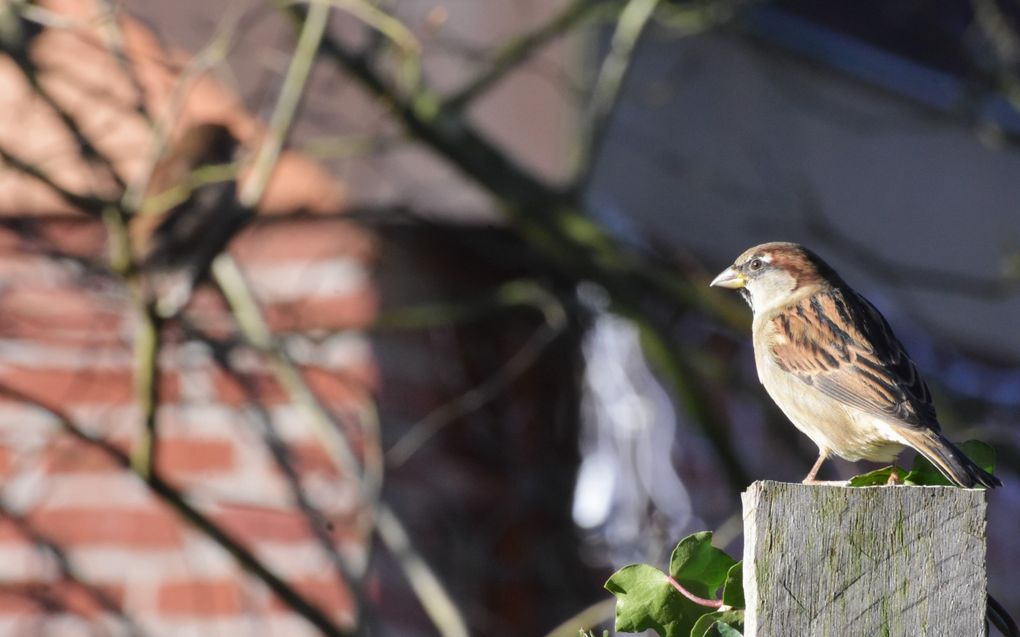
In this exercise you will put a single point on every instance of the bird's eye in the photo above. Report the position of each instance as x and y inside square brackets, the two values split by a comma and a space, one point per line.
[755, 264]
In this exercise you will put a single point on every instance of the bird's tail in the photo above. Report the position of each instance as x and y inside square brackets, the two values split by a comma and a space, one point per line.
[950, 461]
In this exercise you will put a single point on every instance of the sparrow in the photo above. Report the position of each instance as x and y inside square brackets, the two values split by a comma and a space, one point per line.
[830, 361]
[197, 217]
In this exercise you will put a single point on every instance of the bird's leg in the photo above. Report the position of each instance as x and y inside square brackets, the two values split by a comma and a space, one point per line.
[810, 479]
[894, 476]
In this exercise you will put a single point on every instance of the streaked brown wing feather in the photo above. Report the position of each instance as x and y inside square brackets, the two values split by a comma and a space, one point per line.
[839, 343]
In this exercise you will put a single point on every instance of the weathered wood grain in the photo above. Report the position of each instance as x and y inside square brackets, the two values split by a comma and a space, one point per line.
[872, 562]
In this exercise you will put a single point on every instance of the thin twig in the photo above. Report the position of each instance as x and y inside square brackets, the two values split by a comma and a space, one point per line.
[283, 458]
[430, 591]
[433, 596]
[13, 42]
[476, 397]
[279, 125]
[88, 204]
[212, 54]
[395, 31]
[114, 39]
[148, 340]
[994, 24]
[438, 604]
[613, 73]
[511, 55]
[287, 103]
[255, 330]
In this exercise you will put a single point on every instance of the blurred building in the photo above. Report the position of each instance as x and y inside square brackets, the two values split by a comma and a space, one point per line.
[85, 546]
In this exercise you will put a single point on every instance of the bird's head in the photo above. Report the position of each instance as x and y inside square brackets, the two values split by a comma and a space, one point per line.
[773, 274]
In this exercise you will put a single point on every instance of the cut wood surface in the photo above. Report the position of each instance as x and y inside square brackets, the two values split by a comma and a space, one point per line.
[874, 562]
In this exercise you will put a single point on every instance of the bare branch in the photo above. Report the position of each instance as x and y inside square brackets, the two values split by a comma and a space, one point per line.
[213, 53]
[395, 31]
[429, 589]
[633, 20]
[554, 223]
[318, 522]
[110, 29]
[433, 596]
[147, 346]
[86, 203]
[483, 393]
[286, 105]
[511, 55]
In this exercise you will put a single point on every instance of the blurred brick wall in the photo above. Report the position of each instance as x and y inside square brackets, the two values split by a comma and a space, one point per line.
[65, 341]
[85, 546]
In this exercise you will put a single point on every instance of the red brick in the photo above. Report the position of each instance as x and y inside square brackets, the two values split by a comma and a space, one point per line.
[62, 596]
[14, 600]
[337, 389]
[11, 534]
[354, 310]
[6, 462]
[201, 598]
[69, 455]
[79, 237]
[80, 601]
[103, 334]
[254, 524]
[232, 391]
[177, 456]
[349, 384]
[84, 600]
[183, 455]
[60, 387]
[303, 240]
[329, 594]
[133, 528]
[311, 457]
[58, 307]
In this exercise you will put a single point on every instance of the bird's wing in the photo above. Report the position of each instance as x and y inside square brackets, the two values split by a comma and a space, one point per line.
[837, 342]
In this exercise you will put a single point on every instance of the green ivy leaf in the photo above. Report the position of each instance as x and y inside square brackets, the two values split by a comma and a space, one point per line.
[720, 629]
[715, 623]
[645, 600]
[875, 478]
[733, 587]
[924, 472]
[698, 566]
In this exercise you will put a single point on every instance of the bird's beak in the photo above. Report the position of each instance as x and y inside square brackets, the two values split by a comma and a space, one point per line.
[729, 278]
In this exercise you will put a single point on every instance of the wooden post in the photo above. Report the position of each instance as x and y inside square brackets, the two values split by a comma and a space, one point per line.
[874, 562]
